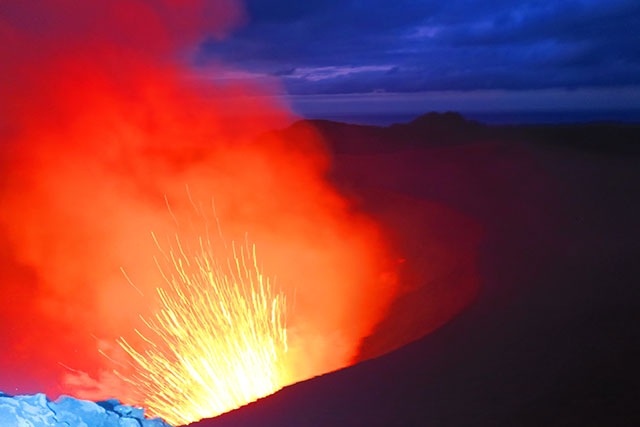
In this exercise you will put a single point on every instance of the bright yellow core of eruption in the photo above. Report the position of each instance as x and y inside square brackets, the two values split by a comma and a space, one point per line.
[218, 340]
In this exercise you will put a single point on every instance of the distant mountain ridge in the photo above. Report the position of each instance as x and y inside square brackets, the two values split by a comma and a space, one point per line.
[451, 128]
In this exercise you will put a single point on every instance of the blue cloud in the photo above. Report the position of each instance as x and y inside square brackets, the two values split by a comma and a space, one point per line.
[411, 45]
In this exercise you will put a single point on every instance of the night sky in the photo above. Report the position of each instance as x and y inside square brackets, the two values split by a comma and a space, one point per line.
[405, 56]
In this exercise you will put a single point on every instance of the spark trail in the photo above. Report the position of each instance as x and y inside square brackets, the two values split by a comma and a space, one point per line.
[219, 338]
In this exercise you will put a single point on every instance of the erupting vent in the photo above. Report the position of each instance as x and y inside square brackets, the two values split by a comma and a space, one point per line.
[219, 339]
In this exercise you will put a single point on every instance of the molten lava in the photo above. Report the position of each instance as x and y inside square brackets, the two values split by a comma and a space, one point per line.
[219, 338]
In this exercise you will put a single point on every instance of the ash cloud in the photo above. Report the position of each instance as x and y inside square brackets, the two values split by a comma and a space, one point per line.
[99, 129]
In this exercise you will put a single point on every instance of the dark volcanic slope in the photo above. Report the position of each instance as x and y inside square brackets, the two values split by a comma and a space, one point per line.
[551, 338]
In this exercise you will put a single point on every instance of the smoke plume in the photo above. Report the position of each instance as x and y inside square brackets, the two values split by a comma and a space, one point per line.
[103, 140]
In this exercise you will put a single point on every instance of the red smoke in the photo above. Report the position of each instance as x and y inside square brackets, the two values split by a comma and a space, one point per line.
[98, 124]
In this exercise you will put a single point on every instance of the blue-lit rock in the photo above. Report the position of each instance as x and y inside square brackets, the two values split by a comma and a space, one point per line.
[38, 411]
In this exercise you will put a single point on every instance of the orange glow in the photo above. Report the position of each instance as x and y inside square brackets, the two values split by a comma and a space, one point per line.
[89, 150]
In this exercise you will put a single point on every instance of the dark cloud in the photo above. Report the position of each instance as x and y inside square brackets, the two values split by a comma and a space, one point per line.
[435, 45]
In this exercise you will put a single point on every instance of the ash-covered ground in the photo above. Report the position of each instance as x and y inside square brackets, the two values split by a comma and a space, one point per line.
[545, 220]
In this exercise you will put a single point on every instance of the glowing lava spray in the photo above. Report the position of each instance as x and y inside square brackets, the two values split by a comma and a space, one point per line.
[219, 338]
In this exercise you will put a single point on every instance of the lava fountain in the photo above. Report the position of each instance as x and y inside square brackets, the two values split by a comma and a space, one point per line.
[219, 338]
[88, 152]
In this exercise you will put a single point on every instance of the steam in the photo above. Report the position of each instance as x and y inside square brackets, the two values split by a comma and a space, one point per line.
[98, 127]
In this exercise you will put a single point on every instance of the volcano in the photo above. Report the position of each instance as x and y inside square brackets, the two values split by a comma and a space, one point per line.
[168, 238]
[518, 282]
[549, 338]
